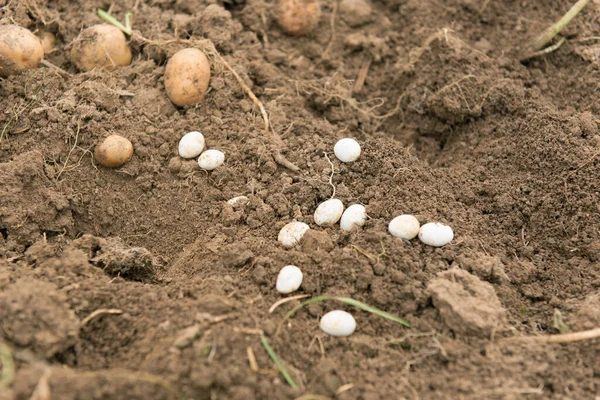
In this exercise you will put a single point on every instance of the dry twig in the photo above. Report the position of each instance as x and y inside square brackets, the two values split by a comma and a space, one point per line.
[563, 337]
[285, 300]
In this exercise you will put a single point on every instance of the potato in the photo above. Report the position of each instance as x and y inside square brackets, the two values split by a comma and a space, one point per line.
[48, 41]
[20, 50]
[186, 77]
[297, 17]
[100, 46]
[114, 151]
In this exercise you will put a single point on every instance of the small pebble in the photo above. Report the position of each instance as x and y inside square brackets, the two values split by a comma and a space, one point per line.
[291, 234]
[404, 227]
[211, 159]
[436, 234]
[355, 216]
[329, 212]
[191, 145]
[289, 279]
[338, 323]
[347, 150]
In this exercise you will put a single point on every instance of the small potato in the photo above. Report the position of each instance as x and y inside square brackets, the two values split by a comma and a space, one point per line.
[186, 77]
[100, 46]
[48, 41]
[297, 17]
[114, 151]
[20, 50]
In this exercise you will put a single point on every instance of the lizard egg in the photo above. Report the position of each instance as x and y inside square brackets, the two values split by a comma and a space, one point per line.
[436, 234]
[211, 159]
[329, 212]
[347, 150]
[191, 145]
[289, 279]
[338, 323]
[354, 216]
[404, 227]
[291, 234]
[238, 201]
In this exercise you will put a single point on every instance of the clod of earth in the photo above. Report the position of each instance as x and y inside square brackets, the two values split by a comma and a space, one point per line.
[35, 314]
[466, 304]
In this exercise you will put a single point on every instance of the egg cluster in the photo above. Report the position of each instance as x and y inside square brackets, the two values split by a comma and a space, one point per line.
[329, 213]
[192, 145]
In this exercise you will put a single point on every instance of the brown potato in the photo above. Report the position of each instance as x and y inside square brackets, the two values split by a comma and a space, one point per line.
[186, 77]
[48, 41]
[114, 151]
[100, 46]
[20, 50]
[297, 17]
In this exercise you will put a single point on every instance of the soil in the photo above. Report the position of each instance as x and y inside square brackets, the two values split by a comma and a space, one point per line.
[454, 128]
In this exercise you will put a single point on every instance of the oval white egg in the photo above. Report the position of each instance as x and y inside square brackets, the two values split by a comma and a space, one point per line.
[355, 216]
[338, 323]
[329, 212]
[436, 234]
[191, 145]
[238, 201]
[404, 227]
[347, 150]
[291, 234]
[211, 159]
[289, 279]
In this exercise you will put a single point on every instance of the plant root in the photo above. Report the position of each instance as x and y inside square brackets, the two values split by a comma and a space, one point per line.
[538, 43]
[97, 313]
[563, 337]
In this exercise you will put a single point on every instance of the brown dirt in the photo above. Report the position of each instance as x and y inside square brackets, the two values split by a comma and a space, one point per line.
[503, 151]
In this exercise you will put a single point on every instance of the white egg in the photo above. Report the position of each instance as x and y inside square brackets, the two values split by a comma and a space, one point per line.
[191, 145]
[238, 201]
[355, 216]
[211, 159]
[291, 234]
[436, 234]
[329, 212]
[404, 227]
[289, 279]
[338, 323]
[347, 150]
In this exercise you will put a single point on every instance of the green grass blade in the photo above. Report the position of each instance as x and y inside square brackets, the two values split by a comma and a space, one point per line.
[113, 21]
[128, 20]
[305, 303]
[8, 367]
[372, 310]
[351, 302]
[277, 362]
